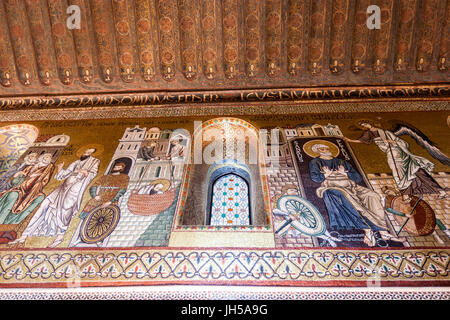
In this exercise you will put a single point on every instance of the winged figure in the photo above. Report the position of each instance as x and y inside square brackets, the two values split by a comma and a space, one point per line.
[412, 173]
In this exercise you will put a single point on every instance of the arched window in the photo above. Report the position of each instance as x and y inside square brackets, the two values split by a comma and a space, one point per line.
[229, 200]
[230, 204]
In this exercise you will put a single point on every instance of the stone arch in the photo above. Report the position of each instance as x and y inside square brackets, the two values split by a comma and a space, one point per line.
[197, 204]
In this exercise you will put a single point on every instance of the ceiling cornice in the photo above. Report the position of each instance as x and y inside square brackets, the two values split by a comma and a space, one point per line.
[158, 47]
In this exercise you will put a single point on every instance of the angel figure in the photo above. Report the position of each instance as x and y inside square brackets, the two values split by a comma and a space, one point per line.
[412, 173]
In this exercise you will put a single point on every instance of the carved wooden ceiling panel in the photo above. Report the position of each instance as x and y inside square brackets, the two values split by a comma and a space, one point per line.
[158, 45]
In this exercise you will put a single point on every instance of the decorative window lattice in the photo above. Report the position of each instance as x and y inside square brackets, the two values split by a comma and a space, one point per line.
[230, 201]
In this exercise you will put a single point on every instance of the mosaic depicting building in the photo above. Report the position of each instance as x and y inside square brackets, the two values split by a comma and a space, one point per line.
[279, 148]
[284, 177]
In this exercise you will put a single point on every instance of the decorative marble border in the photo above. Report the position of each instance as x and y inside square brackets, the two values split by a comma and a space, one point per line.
[144, 111]
[224, 228]
[226, 293]
[216, 266]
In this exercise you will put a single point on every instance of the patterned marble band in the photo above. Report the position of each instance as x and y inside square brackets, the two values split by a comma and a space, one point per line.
[259, 109]
[225, 292]
[231, 96]
[305, 267]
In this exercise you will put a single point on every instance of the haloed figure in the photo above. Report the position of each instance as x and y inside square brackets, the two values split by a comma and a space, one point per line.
[412, 173]
[177, 150]
[147, 152]
[152, 189]
[14, 176]
[349, 205]
[56, 211]
[19, 201]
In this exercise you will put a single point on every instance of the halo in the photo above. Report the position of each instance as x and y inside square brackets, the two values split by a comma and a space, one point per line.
[166, 183]
[307, 147]
[99, 149]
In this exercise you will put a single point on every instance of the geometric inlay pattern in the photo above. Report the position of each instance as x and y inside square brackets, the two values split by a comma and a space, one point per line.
[230, 204]
[336, 267]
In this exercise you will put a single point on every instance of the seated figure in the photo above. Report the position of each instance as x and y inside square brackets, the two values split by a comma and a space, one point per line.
[349, 205]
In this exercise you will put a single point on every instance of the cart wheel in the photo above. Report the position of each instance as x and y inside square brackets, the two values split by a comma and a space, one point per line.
[309, 220]
[99, 224]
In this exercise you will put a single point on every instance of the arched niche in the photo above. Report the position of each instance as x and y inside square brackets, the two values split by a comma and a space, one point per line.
[237, 141]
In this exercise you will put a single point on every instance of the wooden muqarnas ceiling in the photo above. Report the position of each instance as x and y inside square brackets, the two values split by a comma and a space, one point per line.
[184, 45]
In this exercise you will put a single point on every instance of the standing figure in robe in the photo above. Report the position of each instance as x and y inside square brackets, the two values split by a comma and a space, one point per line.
[105, 191]
[56, 211]
[349, 205]
[412, 173]
[19, 201]
[11, 177]
[177, 150]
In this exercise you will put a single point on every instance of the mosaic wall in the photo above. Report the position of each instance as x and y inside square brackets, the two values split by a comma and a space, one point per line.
[321, 153]
[337, 180]
[299, 198]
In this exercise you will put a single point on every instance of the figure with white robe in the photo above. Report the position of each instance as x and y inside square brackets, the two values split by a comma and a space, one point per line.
[56, 211]
[412, 173]
[177, 149]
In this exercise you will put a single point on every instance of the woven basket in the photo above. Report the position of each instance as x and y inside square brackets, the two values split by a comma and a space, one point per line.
[148, 205]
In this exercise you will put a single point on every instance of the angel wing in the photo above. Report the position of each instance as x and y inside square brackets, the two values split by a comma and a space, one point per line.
[402, 128]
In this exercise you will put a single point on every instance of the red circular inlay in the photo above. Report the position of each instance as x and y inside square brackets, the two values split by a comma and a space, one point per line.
[101, 27]
[143, 25]
[229, 22]
[230, 54]
[146, 57]
[127, 58]
[64, 60]
[165, 24]
[59, 29]
[186, 24]
[23, 62]
[209, 55]
[122, 27]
